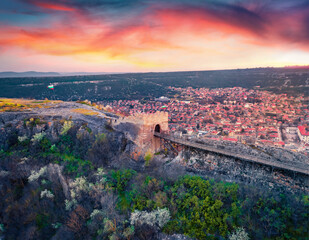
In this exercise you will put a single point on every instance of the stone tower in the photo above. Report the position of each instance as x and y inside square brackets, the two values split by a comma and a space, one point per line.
[140, 128]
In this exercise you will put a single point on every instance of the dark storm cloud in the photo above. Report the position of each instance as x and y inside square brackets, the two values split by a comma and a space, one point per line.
[231, 13]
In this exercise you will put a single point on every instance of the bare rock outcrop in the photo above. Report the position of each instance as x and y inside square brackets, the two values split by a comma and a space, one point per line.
[54, 174]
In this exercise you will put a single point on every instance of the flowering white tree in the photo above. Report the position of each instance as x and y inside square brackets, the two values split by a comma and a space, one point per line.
[47, 193]
[22, 138]
[69, 205]
[95, 213]
[239, 234]
[38, 137]
[157, 218]
[79, 185]
[36, 175]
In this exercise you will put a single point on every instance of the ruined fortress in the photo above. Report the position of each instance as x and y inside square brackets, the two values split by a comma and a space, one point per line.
[140, 129]
[146, 129]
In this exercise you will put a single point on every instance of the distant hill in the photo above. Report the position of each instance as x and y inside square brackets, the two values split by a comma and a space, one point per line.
[297, 67]
[28, 74]
[48, 74]
[100, 87]
[85, 73]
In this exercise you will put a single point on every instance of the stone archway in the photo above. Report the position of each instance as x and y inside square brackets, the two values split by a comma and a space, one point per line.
[157, 129]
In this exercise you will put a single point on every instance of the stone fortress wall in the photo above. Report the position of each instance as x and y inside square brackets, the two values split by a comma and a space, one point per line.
[140, 129]
[149, 119]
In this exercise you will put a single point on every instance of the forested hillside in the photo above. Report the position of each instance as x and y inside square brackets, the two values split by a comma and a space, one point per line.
[61, 179]
[150, 85]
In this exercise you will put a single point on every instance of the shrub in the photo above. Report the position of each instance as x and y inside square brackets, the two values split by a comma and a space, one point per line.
[160, 199]
[69, 205]
[38, 137]
[157, 218]
[100, 150]
[101, 176]
[148, 157]
[275, 216]
[42, 220]
[22, 138]
[56, 225]
[78, 186]
[128, 232]
[47, 193]
[96, 212]
[151, 196]
[77, 219]
[109, 225]
[100, 138]
[66, 127]
[76, 166]
[100, 172]
[239, 234]
[36, 175]
[44, 181]
[45, 144]
[53, 148]
[4, 173]
[119, 179]
[66, 143]
[199, 214]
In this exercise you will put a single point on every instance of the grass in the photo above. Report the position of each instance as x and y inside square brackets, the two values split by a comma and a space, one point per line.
[72, 164]
[148, 156]
[84, 102]
[85, 112]
[17, 105]
[41, 101]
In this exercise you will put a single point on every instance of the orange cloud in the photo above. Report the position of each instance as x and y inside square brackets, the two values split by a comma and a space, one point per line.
[53, 6]
[85, 36]
[144, 40]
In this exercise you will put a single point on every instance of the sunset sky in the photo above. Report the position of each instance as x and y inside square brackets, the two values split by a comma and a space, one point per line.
[152, 35]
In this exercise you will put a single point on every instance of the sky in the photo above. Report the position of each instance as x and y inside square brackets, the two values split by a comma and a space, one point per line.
[152, 35]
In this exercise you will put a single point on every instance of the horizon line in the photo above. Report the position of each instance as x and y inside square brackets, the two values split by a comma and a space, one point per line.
[200, 70]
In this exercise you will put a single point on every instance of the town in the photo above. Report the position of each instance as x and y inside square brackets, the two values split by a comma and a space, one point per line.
[230, 115]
